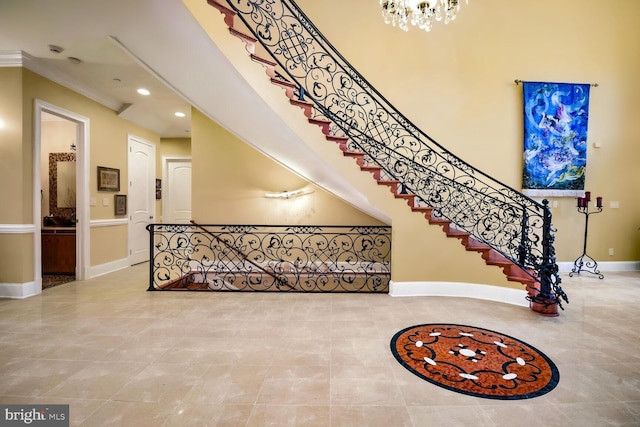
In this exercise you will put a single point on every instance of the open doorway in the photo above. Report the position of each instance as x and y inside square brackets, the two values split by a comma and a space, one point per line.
[60, 216]
[58, 136]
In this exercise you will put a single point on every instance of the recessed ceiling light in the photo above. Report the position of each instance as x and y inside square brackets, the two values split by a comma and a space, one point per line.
[180, 114]
[55, 49]
[143, 91]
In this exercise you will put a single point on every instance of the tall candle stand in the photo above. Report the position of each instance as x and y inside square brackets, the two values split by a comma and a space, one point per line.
[584, 262]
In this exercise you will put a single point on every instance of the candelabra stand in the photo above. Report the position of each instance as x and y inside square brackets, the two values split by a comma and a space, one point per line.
[584, 262]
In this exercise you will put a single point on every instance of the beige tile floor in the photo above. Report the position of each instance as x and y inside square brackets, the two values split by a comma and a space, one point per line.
[119, 355]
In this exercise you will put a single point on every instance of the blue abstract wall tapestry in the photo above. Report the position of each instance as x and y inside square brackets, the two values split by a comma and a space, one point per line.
[555, 138]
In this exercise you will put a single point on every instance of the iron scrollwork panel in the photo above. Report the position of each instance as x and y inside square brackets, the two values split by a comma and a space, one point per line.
[269, 258]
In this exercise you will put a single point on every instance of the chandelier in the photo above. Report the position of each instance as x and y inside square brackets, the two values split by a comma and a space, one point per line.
[419, 13]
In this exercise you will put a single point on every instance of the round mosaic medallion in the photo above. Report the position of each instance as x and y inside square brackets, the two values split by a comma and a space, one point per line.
[475, 361]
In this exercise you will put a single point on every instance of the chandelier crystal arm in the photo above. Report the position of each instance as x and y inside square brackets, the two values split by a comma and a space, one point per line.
[419, 13]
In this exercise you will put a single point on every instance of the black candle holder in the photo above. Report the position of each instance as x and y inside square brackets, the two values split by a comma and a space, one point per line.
[584, 262]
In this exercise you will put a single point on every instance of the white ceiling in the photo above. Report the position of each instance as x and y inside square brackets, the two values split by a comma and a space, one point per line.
[88, 31]
[159, 45]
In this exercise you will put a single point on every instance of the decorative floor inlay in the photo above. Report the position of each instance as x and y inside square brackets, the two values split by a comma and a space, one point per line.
[475, 361]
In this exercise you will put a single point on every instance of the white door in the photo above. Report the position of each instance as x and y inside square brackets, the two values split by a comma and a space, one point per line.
[142, 172]
[177, 187]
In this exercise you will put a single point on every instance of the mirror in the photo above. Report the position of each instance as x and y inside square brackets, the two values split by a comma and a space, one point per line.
[66, 185]
[62, 184]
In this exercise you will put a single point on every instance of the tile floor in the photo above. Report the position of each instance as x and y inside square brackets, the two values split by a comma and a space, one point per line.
[122, 356]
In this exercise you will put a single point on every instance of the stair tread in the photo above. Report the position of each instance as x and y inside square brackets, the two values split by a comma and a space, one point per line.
[220, 6]
[300, 102]
[440, 220]
[242, 35]
[456, 232]
[316, 120]
[337, 138]
[262, 60]
[280, 82]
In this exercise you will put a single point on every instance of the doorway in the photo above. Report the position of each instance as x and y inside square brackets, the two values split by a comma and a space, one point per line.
[142, 207]
[61, 140]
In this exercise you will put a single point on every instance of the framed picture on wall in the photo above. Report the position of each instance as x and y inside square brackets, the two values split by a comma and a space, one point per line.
[158, 189]
[120, 203]
[108, 179]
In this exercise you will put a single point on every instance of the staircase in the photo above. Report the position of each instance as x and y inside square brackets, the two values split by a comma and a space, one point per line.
[524, 253]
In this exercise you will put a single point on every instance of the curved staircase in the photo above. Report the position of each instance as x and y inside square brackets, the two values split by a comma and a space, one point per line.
[513, 272]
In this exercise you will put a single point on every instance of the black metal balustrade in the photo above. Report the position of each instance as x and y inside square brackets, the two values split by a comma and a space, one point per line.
[269, 258]
[508, 221]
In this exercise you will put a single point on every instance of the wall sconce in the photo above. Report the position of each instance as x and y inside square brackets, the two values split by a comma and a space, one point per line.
[287, 194]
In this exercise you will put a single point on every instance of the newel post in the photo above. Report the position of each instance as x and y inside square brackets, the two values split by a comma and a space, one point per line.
[547, 301]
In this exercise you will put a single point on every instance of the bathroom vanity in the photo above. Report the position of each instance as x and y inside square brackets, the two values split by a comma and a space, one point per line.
[58, 250]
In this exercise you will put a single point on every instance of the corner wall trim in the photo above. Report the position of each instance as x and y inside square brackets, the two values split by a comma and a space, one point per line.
[459, 289]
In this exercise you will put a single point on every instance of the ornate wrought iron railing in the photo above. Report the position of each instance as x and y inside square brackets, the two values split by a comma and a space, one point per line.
[511, 223]
[269, 258]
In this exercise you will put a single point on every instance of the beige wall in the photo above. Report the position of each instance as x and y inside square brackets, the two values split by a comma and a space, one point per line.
[12, 151]
[457, 84]
[231, 178]
[14, 267]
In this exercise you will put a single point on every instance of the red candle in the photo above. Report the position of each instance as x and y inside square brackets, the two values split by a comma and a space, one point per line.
[587, 196]
[579, 202]
[599, 202]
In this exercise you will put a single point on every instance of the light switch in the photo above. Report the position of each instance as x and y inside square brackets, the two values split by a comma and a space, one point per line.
[614, 205]
[92, 201]
[105, 201]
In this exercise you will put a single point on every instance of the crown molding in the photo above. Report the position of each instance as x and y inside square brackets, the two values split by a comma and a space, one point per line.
[11, 58]
[18, 58]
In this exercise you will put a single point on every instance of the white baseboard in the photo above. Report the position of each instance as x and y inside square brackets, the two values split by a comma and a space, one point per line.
[458, 289]
[29, 289]
[20, 290]
[109, 267]
[566, 267]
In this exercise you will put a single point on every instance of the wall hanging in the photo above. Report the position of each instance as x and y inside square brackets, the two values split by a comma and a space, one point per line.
[556, 116]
